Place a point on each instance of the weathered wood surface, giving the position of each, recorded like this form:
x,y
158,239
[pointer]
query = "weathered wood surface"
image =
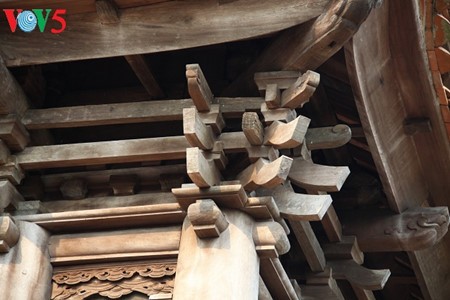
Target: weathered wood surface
x,y
307,46
109,246
171,25
198,88
278,282
328,137
203,172
8,195
270,235
207,219
9,234
289,135
107,11
12,98
26,269
207,268
196,132
132,112
348,248
13,133
300,92
253,128
145,75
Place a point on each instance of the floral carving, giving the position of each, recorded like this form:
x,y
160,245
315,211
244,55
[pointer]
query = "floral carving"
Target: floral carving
x,y
114,282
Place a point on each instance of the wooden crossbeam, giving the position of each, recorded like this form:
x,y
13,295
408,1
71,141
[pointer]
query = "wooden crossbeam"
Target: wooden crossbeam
x,y
253,128
179,25
13,133
145,75
134,112
9,195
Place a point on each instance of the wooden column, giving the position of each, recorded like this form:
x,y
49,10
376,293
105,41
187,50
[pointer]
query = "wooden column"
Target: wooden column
x,y
226,267
26,269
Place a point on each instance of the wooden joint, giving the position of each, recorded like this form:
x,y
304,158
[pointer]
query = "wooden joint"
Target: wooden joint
x,y
266,174
285,136
300,92
217,155
14,133
198,88
253,128
417,125
277,114
74,189
348,248
213,118
9,234
123,185
273,96
328,137
207,219
203,172
170,181
12,171
107,11
9,196
196,132
270,239
257,152
283,79
265,208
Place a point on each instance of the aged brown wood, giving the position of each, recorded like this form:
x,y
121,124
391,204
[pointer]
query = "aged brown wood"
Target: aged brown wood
x,y
9,195
207,219
283,79
307,46
4,153
328,137
270,239
273,96
181,25
145,75
198,88
12,98
13,133
9,234
348,248
197,133
253,128
300,92
284,136
107,11
203,172
123,185
74,189
278,282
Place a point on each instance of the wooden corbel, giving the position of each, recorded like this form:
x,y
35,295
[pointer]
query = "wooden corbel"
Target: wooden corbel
x,y
198,88
203,172
322,285
217,155
196,132
9,234
13,133
264,173
273,96
9,195
270,239
300,92
315,177
283,79
285,136
328,137
207,219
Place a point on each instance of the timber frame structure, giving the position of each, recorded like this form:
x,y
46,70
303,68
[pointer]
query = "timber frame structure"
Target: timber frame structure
x,y
217,149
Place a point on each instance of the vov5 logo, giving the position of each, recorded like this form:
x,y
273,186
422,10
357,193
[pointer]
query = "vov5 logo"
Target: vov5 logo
x,y
27,20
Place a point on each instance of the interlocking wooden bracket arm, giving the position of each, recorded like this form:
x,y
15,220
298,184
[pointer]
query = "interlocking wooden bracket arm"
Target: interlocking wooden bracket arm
x,y
285,136
300,92
253,128
264,208
315,177
328,137
346,249
203,172
9,234
264,173
207,219
196,132
382,230
270,239
360,276
13,133
277,114
9,195
198,88
295,206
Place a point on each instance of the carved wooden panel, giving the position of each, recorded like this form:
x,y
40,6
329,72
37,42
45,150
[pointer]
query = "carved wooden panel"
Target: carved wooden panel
x,y
114,281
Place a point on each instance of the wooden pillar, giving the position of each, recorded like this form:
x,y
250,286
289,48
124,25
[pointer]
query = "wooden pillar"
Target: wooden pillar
x,y
26,269
226,267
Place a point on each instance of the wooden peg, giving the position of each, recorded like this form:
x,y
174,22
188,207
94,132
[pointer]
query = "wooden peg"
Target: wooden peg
x,y
300,92
253,128
311,176
265,173
196,132
204,173
270,239
207,219
107,11
123,185
273,98
328,137
198,88
285,136
9,234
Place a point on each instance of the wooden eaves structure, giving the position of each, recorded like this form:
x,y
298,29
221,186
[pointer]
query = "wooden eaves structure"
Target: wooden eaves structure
x,y
226,150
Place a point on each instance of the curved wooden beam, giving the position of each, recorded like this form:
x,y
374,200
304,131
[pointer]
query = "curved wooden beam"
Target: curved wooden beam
x,y
196,132
270,236
315,177
170,25
203,172
307,46
285,136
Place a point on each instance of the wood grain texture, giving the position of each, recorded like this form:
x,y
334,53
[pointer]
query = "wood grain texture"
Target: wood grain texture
x,y
278,282
253,128
107,11
170,25
286,135
300,92
203,172
328,137
197,133
198,88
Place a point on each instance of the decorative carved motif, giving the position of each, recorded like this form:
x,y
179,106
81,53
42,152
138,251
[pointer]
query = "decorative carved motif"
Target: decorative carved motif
x,y
114,282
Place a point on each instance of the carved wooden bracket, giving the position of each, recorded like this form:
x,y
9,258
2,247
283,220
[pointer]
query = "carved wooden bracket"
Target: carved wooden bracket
x,y
265,173
277,114
253,128
203,172
346,249
11,170
300,92
264,208
207,219
328,137
196,132
270,239
9,234
285,136
322,285
198,87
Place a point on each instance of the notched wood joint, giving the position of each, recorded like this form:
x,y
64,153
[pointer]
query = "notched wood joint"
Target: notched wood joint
x,y
207,219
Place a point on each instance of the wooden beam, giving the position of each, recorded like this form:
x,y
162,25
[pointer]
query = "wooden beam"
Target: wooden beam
x,y
134,112
171,25
12,98
9,195
278,283
145,75
107,11
207,219
307,46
